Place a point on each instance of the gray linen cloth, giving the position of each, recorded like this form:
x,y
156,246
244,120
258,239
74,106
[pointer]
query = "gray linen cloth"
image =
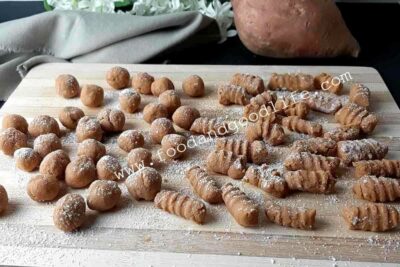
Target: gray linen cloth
x,y
87,37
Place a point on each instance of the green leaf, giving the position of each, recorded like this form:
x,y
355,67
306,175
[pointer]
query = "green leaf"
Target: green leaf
x,y
123,3
46,6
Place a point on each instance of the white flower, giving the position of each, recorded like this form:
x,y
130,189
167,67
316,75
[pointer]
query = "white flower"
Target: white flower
x,y
221,12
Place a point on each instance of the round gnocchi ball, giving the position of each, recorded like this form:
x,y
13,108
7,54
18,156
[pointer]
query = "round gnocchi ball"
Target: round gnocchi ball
x,y
154,111
43,188
193,86
103,195
170,100
161,85
15,121
69,117
92,95
160,128
142,83
80,172
111,120
129,100
54,164
139,158
67,86
3,199
43,124
118,77
130,139
88,128
11,140
46,143
184,117
27,159
174,145
144,184
92,149
108,168
69,213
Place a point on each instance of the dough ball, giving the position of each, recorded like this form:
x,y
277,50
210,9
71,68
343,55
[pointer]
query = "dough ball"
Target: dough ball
x,y
160,128
27,159
154,111
88,128
15,121
67,86
69,213
161,85
184,116
46,143
139,158
103,195
92,149
43,124
170,100
43,188
142,83
130,139
108,168
174,145
144,184
111,120
193,86
92,95
54,164
3,199
129,100
118,77
80,172
69,117
11,140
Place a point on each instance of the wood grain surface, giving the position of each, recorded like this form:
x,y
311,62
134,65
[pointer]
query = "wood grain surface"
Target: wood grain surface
x,y
138,227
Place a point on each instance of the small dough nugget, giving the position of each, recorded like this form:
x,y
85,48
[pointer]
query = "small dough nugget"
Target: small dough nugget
x,y
154,111
69,213
184,116
46,143
174,145
11,140
139,158
130,139
170,100
229,94
15,121
204,185
142,83
103,195
92,149
144,184
255,152
54,164
364,149
108,168
80,172
161,85
193,86
88,128
3,199
69,117
43,188
111,120
27,159
254,85
160,128
129,100
43,124
67,86
352,115
291,82
118,77
92,95
225,162
311,162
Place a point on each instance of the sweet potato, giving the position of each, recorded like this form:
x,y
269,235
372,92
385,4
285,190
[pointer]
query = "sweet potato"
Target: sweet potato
x,y
290,28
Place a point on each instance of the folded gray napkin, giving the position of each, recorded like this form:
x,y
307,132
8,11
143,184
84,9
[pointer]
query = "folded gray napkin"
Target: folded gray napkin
x,y
76,36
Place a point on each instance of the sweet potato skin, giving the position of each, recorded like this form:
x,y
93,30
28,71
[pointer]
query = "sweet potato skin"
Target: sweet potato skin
x,y
291,28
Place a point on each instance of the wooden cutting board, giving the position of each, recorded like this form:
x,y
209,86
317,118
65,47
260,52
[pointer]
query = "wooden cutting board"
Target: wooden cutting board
x,y
138,227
